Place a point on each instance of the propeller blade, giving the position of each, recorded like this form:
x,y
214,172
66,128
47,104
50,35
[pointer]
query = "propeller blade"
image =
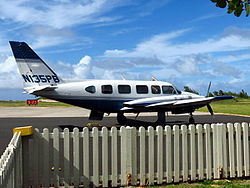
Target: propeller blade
x,y
210,109
208,89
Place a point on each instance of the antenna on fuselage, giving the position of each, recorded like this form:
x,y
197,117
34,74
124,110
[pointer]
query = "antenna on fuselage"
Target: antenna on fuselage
x,y
123,77
153,79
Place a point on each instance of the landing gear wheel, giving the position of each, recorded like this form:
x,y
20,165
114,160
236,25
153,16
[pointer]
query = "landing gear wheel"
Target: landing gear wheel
x,y
121,119
191,120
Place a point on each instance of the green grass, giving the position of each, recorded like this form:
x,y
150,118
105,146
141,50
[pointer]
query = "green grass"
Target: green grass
x,y
209,183
41,104
235,106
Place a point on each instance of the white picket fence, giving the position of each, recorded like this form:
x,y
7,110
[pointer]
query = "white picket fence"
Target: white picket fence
x,y
11,164
131,156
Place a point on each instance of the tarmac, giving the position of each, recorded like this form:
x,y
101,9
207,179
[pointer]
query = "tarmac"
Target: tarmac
x,y
6,112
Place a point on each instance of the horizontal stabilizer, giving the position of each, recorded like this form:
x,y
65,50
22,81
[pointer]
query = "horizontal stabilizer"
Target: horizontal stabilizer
x,y
31,90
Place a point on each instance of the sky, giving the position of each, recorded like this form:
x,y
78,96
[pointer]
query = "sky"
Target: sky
x,y
187,43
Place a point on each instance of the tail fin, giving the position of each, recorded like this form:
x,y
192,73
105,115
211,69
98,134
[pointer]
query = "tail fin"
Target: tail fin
x,y
34,71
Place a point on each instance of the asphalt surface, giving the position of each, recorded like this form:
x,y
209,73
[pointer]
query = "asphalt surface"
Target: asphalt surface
x,y
7,124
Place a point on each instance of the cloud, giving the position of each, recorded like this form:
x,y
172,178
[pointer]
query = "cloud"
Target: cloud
x,y
58,14
9,75
186,61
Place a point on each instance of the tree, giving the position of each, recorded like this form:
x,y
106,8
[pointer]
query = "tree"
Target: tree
x,y
234,6
188,89
243,94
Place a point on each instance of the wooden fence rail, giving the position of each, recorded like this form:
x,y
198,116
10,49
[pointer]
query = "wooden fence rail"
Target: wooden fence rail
x,y
129,156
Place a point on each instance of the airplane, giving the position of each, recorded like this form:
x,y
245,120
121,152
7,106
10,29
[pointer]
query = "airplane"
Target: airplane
x,y
106,96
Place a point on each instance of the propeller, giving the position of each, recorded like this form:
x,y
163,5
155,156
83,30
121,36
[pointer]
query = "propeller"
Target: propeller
x,y
208,89
208,105
210,109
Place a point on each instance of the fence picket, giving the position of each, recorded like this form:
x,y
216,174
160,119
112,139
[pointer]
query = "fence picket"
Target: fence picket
x,y
151,156
46,156
66,169
245,128
55,167
86,166
208,151
105,178
114,148
95,157
123,156
142,135
159,131
184,153
192,152
200,152
231,143
176,153
76,162
238,149
169,160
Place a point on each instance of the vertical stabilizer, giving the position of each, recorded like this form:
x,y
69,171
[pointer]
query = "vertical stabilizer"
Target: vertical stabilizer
x,y
34,71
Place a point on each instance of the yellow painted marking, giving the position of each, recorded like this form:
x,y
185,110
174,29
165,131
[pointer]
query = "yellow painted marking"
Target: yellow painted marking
x,y
93,124
25,131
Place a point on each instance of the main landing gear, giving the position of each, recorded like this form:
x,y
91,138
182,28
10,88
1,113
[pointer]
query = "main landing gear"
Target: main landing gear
x,y
161,120
191,119
121,119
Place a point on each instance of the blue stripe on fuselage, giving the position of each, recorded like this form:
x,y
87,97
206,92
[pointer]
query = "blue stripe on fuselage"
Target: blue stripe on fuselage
x,y
112,106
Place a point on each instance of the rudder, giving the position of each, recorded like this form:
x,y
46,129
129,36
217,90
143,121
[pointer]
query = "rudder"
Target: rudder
x,y
32,68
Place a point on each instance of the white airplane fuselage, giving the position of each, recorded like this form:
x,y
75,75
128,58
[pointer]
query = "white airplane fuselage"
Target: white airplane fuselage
x,y
75,93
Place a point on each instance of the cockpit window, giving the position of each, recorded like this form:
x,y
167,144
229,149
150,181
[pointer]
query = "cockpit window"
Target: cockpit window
x,y
155,89
90,89
107,89
168,90
124,89
142,89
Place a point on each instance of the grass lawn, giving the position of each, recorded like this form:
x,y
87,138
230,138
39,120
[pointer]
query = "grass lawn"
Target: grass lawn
x,y
234,106
41,104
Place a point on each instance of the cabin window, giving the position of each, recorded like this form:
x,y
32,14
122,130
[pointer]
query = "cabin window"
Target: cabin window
x,y
124,89
90,89
168,90
142,89
155,89
107,89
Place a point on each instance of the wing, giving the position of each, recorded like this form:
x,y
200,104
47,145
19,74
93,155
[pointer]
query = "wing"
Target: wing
x,y
165,103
